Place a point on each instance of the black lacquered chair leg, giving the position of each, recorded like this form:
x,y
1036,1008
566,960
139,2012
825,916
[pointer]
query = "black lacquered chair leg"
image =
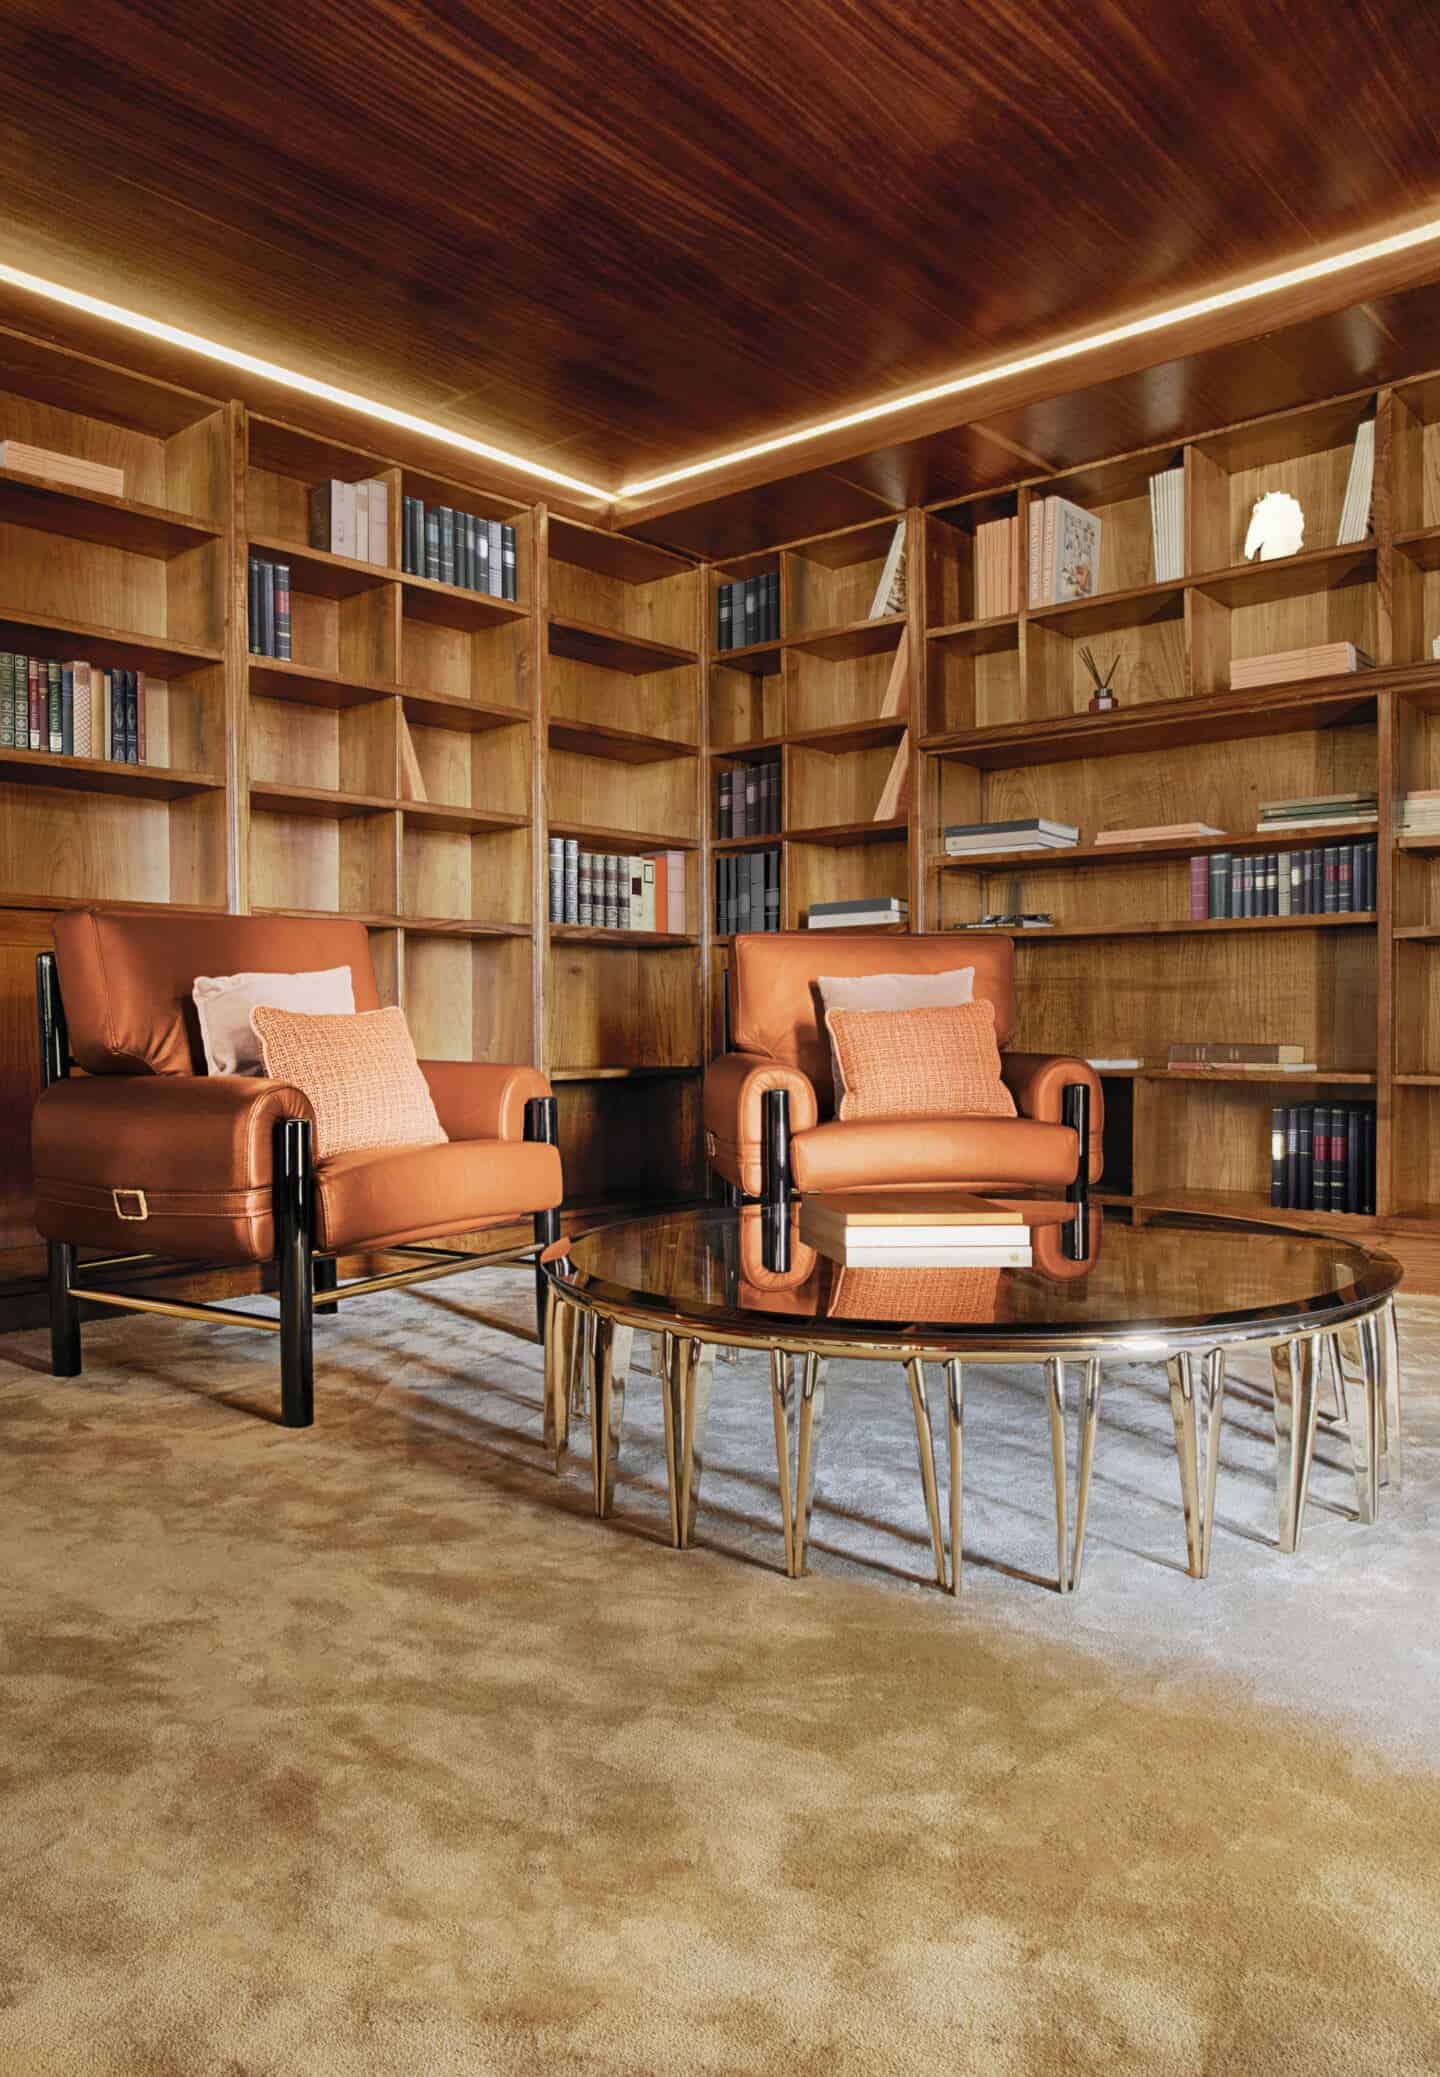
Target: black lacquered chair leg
x,y
326,1277
542,1123
294,1218
775,1146
64,1312
1076,1112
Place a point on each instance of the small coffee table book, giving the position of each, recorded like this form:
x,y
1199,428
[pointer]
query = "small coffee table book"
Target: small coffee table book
x,y
934,1229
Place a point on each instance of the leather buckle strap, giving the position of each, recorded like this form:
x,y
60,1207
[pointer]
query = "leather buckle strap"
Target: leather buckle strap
x,y
135,1199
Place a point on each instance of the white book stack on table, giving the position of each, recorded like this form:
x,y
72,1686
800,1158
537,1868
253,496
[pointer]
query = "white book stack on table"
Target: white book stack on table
x,y
940,1229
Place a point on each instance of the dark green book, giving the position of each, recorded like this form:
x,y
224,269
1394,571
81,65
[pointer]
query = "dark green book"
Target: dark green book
x,y
7,701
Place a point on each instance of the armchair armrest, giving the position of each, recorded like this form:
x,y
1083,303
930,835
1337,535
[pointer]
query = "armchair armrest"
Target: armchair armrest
x,y
475,1100
735,1087
177,1165
1038,1082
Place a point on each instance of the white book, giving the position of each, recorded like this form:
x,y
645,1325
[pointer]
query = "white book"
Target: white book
x,y
379,497
1120,1060
864,919
1355,514
1034,840
934,1258
899,1240
647,896
880,604
358,495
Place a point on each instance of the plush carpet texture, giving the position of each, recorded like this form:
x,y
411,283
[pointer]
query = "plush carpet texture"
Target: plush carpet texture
x,y
367,1750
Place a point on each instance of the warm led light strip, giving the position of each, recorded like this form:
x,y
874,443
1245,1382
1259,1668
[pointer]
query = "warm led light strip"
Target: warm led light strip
x,y
1051,356
307,385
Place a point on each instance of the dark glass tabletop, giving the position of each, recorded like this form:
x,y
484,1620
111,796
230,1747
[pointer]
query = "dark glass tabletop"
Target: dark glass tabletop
x,y
1175,1279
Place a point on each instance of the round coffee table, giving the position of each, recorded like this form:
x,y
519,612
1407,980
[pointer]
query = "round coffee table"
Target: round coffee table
x,y
1176,1288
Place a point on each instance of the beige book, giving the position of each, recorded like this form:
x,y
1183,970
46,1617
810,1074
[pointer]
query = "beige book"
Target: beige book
x,y
899,1208
412,779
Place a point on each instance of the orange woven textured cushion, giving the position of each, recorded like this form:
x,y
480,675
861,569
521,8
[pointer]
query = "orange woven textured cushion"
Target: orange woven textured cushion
x,y
359,1072
935,1063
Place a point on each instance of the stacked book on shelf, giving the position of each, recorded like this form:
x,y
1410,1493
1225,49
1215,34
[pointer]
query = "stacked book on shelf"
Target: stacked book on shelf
x,y
997,568
1064,552
1237,1057
870,912
74,469
1157,833
607,890
1323,880
1279,666
269,608
71,709
459,548
940,1229
748,611
1027,833
1322,1157
1317,811
352,519
748,800
1355,512
1418,814
747,892
1167,525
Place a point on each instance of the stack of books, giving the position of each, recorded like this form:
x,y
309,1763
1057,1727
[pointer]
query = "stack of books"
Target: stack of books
x,y
1322,1157
1355,513
868,913
748,800
1156,833
605,890
1028,833
1317,811
748,611
997,568
352,519
71,709
891,587
1325,880
73,469
747,892
1418,814
1167,524
1064,552
269,608
459,548
1320,660
940,1229
1012,919
1237,1056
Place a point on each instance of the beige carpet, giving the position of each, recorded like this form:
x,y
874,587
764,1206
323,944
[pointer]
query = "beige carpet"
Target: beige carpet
x,y
367,1751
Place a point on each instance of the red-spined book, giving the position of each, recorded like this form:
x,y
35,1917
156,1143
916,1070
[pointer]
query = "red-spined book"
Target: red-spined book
x,y
1199,890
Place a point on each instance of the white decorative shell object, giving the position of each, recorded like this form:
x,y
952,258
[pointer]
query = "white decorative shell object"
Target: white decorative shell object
x,y
1277,527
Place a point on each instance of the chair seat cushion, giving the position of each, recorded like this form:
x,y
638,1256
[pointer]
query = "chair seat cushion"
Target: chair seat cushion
x,y
863,1154
375,1194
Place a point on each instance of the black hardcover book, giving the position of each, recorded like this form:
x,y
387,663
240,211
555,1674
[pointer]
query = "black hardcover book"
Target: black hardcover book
x,y
1247,886
415,536
772,605
282,611
756,865
447,544
722,617
1345,879
132,717
1353,1187
512,562
772,890
1331,867
1272,884
464,548
67,710
1320,1159
1372,861
1367,1160
1292,1156
1305,1165
732,896
53,698
1337,1156
432,541
722,813
1214,900
1277,1156
752,800
267,609
752,610
254,608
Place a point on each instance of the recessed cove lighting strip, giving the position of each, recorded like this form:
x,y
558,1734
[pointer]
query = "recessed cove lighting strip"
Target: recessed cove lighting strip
x,y
1052,356
305,385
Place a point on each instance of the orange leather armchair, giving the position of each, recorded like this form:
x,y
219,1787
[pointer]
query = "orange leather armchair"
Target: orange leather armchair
x,y
147,1157
770,1126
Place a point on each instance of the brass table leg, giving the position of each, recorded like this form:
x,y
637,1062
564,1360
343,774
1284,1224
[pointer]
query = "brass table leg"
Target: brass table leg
x,y
1089,1423
782,1394
955,1435
812,1408
610,1361
1197,1423
1295,1367
564,1352
672,1408
1069,1557
693,1365
1365,1442
925,1443
1389,1393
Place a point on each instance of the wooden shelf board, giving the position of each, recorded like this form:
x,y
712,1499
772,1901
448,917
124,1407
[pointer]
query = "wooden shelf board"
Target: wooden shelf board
x,y
1288,576
850,639
113,648
19,899
1430,842
1137,606
635,655
272,798
1250,1205
1352,919
275,678
756,659
318,572
981,637
768,841
370,920
586,547
1418,933
81,515
627,840
1417,1081
447,710
1161,847
620,1074
586,934
458,927
448,815
842,835
451,605
103,775
622,745
852,735
1422,546
1266,1076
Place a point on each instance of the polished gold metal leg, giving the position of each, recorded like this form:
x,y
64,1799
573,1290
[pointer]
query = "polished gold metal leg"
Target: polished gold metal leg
x,y
1338,1412
610,1361
580,1369
925,1443
1187,1452
955,1430
1213,1378
782,1394
1089,1426
564,1343
697,1370
1055,1384
1389,1343
1295,1368
1365,1443
812,1409
672,1407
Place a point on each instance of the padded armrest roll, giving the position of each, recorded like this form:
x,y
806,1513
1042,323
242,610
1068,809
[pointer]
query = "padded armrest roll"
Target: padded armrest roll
x,y
1038,1082
475,1100
735,1086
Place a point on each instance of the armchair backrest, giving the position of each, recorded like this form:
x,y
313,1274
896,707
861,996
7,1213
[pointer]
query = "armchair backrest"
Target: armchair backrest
x,y
776,1008
126,978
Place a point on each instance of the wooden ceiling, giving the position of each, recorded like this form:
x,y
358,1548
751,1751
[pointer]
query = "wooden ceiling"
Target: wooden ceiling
x,y
618,237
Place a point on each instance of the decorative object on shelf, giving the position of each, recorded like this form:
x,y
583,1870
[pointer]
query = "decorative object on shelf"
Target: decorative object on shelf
x,y
1355,513
1012,919
892,592
1104,697
1277,527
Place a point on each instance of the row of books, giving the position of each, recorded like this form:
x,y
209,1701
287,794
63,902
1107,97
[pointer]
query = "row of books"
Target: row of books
x,y
747,892
1236,1056
1325,880
1317,811
1167,525
608,890
747,801
269,608
459,548
872,912
74,709
1279,666
1322,1157
352,519
748,611
1064,552
997,568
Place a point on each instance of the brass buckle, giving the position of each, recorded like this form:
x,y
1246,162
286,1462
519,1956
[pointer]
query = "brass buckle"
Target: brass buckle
x,y
135,1197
